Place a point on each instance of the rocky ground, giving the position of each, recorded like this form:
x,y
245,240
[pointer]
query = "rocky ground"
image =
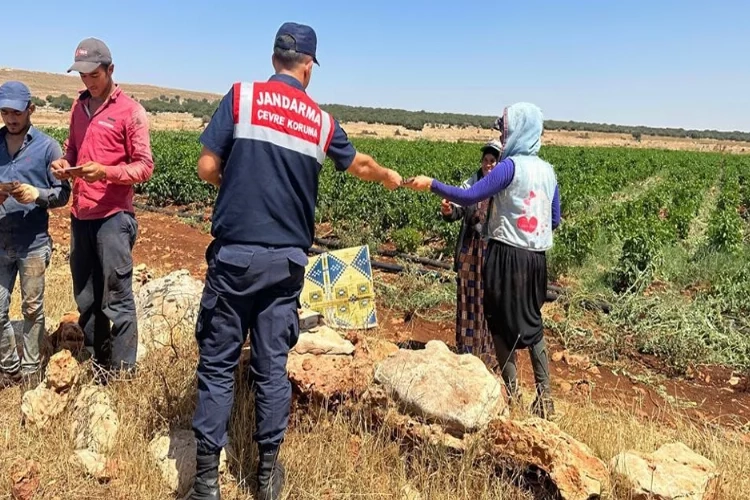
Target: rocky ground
x,y
616,435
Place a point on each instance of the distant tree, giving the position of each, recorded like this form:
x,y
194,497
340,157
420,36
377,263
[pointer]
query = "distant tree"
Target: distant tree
x,y
637,136
61,102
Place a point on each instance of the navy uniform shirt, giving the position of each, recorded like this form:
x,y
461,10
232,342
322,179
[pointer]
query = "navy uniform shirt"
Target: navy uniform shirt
x,y
268,192
24,227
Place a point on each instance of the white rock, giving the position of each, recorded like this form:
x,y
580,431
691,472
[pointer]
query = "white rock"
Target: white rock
x,y
456,391
167,310
40,405
323,340
174,454
673,472
95,422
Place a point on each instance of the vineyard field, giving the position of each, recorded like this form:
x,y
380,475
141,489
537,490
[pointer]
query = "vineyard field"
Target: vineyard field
x,y
660,235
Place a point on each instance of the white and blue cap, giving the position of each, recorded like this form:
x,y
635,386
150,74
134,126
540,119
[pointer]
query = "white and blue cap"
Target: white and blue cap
x,y
14,95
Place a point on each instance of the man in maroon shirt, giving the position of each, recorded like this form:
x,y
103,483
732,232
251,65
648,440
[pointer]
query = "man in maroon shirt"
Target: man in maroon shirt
x,y
108,150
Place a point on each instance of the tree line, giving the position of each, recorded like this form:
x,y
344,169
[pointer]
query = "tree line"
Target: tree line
x,y
412,120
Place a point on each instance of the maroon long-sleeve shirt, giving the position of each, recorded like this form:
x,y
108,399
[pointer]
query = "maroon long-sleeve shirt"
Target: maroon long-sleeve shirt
x,y
117,136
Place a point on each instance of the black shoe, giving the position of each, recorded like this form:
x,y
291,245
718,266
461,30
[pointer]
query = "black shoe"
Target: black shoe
x,y
543,407
10,379
271,475
206,485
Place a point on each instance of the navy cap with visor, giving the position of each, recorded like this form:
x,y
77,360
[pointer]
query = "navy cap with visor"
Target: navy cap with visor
x,y
298,38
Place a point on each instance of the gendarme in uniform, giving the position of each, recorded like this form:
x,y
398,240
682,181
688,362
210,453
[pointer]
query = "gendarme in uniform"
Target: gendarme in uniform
x,y
272,139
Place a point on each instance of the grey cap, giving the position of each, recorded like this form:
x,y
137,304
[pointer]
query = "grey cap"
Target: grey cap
x,y
90,54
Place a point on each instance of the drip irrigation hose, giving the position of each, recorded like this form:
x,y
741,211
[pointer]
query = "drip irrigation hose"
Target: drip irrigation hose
x,y
553,292
389,253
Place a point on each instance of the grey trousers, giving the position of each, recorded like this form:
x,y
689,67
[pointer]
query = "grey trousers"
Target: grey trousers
x,y
539,362
31,268
101,263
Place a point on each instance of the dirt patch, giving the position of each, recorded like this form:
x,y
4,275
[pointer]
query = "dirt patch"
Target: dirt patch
x,y
164,243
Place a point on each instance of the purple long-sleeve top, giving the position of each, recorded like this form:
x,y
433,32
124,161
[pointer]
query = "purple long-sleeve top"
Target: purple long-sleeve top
x,y
498,179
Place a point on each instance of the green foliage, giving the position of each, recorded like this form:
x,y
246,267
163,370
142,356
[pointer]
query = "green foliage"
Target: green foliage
x,y
61,102
574,241
175,179
195,107
725,230
406,239
640,254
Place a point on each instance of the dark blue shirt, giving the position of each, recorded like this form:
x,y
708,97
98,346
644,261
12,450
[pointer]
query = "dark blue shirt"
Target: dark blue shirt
x,y
498,179
24,227
268,192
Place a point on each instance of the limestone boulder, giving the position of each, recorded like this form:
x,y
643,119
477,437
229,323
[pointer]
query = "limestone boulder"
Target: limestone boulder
x,y
95,421
62,371
337,376
672,472
94,464
323,340
167,309
571,465
174,455
455,391
39,406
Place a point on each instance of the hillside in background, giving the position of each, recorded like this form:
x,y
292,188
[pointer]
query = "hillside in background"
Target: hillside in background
x,y
56,91
417,120
55,84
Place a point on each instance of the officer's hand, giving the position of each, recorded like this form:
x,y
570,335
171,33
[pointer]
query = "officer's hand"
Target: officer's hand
x,y
25,193
3,196
392,180
92,171
445,207
58,169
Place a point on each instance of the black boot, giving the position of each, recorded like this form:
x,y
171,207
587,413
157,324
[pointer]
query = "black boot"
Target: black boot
x,y
543,407
206,485
270,475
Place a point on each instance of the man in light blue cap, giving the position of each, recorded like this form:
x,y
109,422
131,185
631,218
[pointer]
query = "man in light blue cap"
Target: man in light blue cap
x,y
28,189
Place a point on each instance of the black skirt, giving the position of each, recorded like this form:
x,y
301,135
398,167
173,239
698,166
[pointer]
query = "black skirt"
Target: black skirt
x,y
515,287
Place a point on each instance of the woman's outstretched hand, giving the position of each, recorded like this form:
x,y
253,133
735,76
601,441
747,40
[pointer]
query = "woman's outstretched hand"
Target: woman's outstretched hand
x,y
419,183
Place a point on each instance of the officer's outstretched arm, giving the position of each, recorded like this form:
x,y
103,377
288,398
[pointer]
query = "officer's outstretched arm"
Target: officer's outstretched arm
x,y
209,167
366,168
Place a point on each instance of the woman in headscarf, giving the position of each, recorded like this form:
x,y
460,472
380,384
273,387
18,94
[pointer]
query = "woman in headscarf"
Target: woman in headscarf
x,y
524,210
472,334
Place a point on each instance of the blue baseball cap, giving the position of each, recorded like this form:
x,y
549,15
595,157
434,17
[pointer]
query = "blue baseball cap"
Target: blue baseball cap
x,y
14,95
303,39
